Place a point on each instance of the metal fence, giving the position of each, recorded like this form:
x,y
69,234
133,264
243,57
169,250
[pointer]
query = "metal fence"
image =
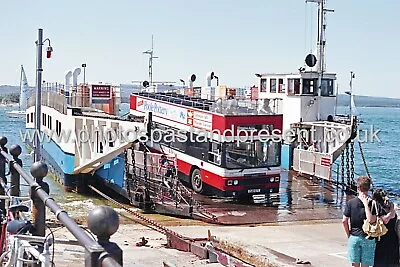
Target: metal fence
x,y
102,221
51,99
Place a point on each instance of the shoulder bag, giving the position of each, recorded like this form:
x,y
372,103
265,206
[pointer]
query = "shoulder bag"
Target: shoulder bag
x,y
376,229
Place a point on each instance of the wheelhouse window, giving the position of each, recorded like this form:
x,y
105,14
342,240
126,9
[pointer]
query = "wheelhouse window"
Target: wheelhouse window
x,y
252,154
281,86
293,86
310,87
27,118
263,85
32,117
327,87
272,83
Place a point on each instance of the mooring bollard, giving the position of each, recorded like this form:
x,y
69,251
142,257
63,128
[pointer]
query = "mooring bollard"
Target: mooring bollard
x,y
15,151
3,142
103,221
39,171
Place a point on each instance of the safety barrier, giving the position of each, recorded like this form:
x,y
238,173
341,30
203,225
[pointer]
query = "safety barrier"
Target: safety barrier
x,y
313,163
102,221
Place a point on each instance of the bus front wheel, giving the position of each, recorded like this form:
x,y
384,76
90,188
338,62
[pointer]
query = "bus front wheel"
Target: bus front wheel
x,y
196,181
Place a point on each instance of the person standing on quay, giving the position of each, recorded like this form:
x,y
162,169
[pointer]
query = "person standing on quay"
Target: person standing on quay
x,y
387,247
361,250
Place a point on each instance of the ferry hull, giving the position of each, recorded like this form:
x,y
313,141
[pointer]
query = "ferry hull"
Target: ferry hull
x,y
54,163
286,156
60,166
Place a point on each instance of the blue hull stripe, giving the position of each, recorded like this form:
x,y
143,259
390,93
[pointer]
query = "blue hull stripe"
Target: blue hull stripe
x,y
63,165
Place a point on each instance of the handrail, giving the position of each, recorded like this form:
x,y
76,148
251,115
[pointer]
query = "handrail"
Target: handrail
x,y
96,254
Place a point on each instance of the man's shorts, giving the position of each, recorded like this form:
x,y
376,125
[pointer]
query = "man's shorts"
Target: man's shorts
x,y
361,250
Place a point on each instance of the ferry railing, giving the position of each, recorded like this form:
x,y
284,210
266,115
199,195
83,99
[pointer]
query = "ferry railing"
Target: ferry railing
x,y
102,221
51,99
217,105
55,97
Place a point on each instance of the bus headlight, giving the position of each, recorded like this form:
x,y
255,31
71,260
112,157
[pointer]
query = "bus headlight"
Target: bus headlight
x,y
277,179
235,182
272,179
229,182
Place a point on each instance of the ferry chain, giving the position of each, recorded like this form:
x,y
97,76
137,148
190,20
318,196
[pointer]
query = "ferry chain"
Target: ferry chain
x,y
154,225
352,162
347,165
342,165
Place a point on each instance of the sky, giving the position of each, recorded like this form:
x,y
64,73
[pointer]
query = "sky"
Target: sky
x,y
233,38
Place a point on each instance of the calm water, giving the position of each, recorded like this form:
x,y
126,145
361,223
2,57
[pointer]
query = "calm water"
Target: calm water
x,y
382,158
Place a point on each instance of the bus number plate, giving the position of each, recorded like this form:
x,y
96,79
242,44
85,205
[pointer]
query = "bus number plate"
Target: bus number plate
x,y
253,191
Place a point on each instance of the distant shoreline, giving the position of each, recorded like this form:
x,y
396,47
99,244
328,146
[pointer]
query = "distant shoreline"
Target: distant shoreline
x,y
342,99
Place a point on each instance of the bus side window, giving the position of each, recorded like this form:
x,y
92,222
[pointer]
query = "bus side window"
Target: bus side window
x,y
214,153
197,147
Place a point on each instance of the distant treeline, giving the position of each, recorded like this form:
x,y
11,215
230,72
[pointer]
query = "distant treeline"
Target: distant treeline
x,y
368,101
11,97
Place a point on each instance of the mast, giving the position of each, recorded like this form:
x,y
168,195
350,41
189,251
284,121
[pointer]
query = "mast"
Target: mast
x,y
150,53
352,76
20,89
321,47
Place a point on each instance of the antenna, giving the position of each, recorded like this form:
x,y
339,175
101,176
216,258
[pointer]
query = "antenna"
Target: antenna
x,y
150,53
337,95
321,45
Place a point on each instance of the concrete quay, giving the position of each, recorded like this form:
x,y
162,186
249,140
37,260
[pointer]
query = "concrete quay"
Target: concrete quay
x,y
305,226
322,243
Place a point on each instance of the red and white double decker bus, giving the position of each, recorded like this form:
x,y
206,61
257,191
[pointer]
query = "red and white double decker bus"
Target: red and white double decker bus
x,y
213,153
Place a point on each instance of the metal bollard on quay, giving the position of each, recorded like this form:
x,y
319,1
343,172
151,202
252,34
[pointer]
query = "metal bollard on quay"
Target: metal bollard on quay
x,y
3,142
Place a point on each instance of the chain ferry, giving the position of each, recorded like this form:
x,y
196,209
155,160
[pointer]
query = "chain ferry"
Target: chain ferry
x,y
218,140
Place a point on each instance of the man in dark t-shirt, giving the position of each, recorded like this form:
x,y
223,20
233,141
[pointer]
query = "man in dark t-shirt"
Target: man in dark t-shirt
x,y
361,250
356,211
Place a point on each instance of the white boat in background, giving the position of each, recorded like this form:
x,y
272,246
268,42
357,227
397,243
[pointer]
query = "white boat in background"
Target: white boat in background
x,y
24,87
